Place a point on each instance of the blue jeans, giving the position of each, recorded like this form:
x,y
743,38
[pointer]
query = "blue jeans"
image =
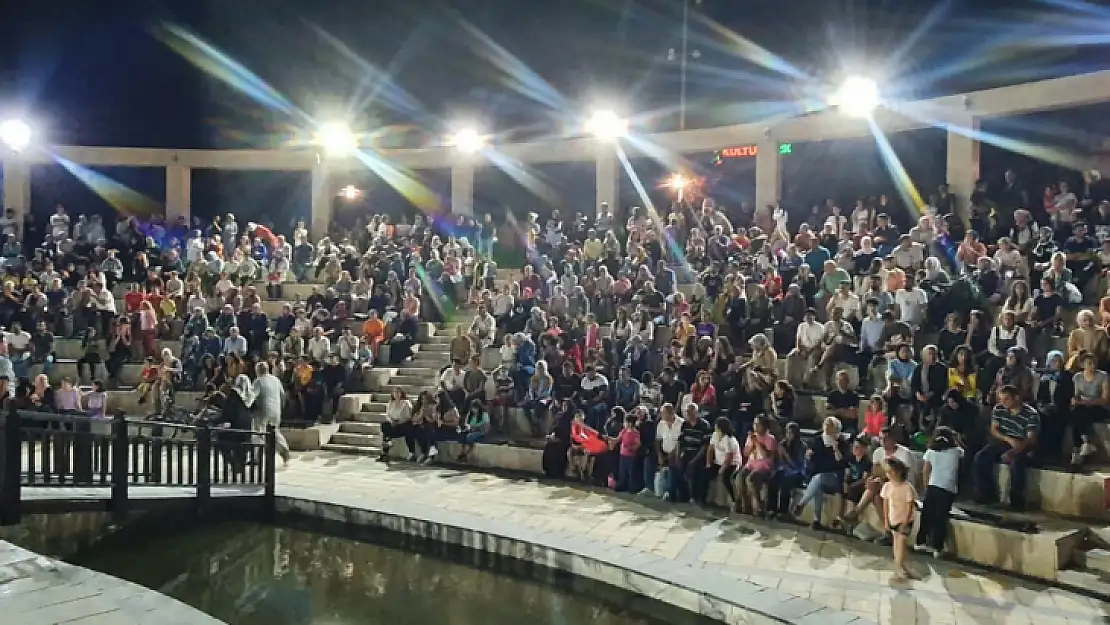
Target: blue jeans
x,y
820,485
986,487
626,474
650,464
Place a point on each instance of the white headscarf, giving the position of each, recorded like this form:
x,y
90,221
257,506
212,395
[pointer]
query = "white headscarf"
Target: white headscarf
x,y
243,387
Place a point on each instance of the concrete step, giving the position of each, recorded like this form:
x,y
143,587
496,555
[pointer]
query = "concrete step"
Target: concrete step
x,y
415,369
1094,559
374,406
358,440
434,348
440,339
367,417
356,427
402,380
70,349
356,450
1087,579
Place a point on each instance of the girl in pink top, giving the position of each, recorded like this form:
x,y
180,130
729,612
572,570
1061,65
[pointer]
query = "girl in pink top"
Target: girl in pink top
x,y
874,418
900,499
759,465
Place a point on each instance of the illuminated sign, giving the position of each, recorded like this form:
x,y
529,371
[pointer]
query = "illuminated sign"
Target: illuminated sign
x,y
748,151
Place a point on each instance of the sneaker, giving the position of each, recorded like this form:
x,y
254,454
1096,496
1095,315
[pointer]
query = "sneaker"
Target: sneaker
x,y
666,496
922,548
432,453
411,458
1086,449
647,492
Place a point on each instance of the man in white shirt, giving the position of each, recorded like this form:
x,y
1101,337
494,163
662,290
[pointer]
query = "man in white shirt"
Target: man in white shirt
x,y
59,224
234,343
845,300
104,302
808,347
667,433
451,384
319,346
483,328
911,302
909,256
269,398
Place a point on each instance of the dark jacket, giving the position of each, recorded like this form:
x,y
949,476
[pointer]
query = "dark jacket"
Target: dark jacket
x,y
824,460
938,382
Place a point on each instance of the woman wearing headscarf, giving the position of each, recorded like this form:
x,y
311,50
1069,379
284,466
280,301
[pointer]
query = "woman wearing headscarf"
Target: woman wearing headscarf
x,y
1054,394
1016,372
236,415
759,371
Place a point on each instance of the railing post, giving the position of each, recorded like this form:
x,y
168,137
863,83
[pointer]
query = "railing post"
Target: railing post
x,y
120,452
10,479
204,464
271,470
82,451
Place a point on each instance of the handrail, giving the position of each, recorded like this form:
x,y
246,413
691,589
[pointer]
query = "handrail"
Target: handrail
x,y
46,449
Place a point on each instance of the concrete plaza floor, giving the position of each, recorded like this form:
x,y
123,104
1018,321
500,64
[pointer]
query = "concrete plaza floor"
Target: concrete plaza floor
x,y
831,570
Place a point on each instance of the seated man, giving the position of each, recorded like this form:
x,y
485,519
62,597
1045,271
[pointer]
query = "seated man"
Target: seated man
x,y
808,348
1013,432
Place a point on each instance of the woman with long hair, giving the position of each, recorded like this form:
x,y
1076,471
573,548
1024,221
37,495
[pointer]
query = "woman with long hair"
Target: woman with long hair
x,y
1019,302
963,373
723,458
537,401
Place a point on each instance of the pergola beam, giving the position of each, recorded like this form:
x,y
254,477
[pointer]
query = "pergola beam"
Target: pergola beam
x,y
826,125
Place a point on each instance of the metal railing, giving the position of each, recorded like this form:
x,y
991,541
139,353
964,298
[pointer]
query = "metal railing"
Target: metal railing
x,y
43,450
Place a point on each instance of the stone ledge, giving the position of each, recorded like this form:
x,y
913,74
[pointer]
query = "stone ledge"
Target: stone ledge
x,y
310,438
40,590
686,586
1040,555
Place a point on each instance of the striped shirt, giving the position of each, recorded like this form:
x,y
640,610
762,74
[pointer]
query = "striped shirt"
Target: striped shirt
x,y
1020,425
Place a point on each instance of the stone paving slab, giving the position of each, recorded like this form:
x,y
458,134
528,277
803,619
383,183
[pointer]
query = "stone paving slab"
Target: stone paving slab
x,y
36,590
780,570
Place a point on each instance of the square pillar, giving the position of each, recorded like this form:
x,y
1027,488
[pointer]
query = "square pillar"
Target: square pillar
x,y
963,165
768,173
608,179
462,188
17,187
179,193
323,197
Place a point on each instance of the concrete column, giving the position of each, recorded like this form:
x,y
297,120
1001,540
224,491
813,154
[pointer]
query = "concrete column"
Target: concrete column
x,y
462,187
963,166
179,193
323,197
17,187
768,173
608,179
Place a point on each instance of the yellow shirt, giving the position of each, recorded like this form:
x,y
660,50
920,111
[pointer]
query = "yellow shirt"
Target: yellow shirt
x,y
968,385
168,307
592,249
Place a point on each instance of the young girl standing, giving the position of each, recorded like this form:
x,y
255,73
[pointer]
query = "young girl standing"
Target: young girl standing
x,y
899,496
942,477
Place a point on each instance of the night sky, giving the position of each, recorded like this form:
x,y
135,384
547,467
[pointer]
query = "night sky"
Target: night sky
x,y
98,73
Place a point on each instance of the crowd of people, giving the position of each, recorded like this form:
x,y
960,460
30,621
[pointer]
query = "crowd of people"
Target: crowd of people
x,y
120,291
932,332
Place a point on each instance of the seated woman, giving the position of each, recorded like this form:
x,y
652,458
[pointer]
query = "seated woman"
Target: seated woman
x,y
1054,401
586,445
400,344
473,428
827,460
1089,406
963,374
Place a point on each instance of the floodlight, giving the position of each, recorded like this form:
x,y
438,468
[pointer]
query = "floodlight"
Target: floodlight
x,y
336,138
350,192
606,124
468,140
15,134
857,97
678,181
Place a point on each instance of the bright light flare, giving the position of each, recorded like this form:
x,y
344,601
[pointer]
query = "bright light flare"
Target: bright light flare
x,y
350,193
337,139
468,140
678,181
857,96
15,134
607,124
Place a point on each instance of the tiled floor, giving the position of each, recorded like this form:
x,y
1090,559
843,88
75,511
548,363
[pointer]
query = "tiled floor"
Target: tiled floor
x,y
842,574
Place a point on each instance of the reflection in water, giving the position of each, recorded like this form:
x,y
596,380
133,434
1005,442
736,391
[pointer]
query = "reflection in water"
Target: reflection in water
x,y
247,574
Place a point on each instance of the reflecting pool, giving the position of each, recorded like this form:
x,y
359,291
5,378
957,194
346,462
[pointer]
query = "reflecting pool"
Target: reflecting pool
x,y
251,574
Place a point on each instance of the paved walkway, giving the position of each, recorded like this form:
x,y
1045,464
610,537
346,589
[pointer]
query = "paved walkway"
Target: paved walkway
x,y
831,570
36,590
